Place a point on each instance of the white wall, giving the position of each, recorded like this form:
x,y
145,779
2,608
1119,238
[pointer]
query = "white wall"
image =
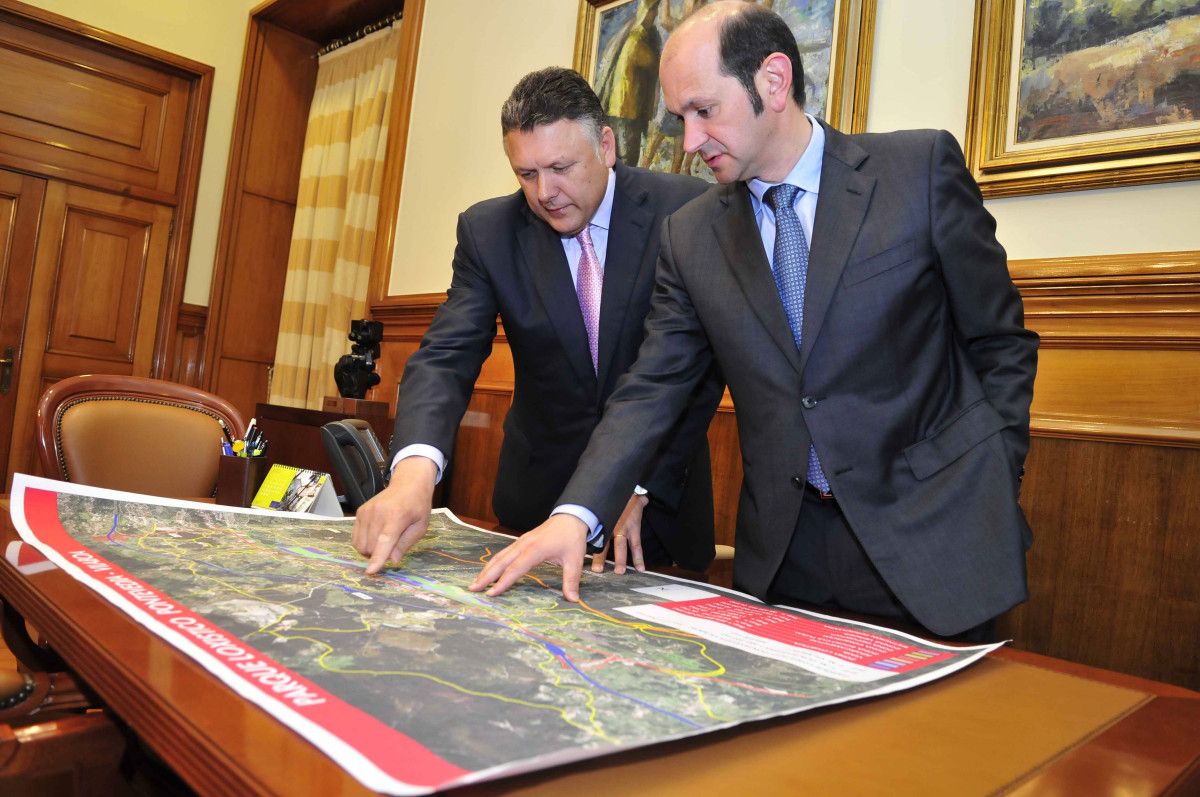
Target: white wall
x,y
920,77
472,52
212,32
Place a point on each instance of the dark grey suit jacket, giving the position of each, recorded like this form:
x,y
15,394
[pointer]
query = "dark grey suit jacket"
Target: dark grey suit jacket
x,y
511,263
914,380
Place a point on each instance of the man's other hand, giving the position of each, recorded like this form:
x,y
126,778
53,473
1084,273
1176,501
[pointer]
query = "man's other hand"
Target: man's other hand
x,y
626,538
390,523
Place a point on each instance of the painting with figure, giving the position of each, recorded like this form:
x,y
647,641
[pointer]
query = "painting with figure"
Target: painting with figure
x,y
1102,66
629,37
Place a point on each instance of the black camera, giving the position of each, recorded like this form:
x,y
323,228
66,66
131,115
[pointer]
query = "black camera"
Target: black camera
x,y
355,372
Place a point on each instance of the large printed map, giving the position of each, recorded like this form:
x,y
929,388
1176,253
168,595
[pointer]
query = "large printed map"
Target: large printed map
x,y
414,683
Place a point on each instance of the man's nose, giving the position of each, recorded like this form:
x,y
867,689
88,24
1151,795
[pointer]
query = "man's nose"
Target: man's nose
x,y
546,188
693,136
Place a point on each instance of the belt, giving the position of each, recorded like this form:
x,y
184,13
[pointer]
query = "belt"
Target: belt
x,y
818,493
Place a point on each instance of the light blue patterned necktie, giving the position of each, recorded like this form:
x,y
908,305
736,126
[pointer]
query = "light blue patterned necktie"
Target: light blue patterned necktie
x,y
791,275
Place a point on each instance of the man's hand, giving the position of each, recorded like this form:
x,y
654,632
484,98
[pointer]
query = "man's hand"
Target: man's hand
x,y
390,523
562,539
627,532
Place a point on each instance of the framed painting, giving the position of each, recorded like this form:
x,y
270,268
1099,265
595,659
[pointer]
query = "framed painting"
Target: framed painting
x,y
618,44
1083,94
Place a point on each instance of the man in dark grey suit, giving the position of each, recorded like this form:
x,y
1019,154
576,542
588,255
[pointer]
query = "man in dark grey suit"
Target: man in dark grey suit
x,y
568,264
882,377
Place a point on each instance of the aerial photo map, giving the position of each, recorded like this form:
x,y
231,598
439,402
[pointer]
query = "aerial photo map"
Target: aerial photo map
x,y
277,606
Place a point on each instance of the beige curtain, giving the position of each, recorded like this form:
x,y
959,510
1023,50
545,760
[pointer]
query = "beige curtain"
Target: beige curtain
x,y
333,236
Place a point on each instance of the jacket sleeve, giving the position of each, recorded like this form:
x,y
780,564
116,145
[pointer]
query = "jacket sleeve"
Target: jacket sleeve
x,y
650,399
986,306
439,377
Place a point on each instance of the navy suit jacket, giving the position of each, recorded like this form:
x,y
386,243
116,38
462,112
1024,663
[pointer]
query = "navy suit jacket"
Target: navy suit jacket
x,y
510,263
914,378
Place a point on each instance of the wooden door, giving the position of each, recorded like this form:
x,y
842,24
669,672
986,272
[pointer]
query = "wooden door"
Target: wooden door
x,y
20,208
97,287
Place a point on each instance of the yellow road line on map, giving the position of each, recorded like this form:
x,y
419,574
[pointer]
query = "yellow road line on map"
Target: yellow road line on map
x,y
594,728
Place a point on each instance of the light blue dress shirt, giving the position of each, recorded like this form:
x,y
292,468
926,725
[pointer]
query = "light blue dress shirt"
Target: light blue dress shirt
x,y
807,175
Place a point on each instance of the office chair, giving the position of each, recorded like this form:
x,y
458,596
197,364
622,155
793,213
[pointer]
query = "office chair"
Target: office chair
x,y
136,434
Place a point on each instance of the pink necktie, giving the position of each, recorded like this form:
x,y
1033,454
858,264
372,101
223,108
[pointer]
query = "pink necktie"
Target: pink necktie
x,y
588,285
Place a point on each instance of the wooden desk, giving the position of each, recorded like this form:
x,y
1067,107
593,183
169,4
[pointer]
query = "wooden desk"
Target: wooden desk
x,y
1015,724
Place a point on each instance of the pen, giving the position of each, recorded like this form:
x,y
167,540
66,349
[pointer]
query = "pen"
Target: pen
x,y
249,429
225,431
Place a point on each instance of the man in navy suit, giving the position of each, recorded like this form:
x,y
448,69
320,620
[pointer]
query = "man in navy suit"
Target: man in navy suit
x,y
872,340
568,264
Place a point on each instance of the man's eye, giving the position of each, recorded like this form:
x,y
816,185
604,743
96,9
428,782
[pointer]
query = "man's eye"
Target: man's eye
x,y
704,113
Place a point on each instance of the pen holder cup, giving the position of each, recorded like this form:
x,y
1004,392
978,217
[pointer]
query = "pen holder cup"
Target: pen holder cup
x,y
238,479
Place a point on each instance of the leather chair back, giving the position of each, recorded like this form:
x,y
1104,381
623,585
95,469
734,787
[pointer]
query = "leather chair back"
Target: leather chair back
x,y
131,433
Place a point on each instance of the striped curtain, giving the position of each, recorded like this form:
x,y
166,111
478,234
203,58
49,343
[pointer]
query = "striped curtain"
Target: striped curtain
x,y
333,236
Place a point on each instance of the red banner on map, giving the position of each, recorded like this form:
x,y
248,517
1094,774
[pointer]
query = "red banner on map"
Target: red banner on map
x,y
847,644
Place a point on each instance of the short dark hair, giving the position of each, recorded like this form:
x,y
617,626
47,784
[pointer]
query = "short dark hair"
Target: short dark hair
x,y
548,96
747,38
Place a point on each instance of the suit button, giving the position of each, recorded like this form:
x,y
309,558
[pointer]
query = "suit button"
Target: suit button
x,y
798,482
808,402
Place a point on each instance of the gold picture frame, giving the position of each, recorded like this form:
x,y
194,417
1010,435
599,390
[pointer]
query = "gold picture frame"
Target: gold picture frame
x,y
837,33
1044,118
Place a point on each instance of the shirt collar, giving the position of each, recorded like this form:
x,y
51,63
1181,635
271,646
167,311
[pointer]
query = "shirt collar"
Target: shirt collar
x,y
806,173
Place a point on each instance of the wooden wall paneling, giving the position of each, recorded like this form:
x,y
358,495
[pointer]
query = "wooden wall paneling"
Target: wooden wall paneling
x,y
473,466
111,256
117,128
87,106
241,381
96,297
1110,482
21,199
278,79
254,296
1113,568
189,344
1120,356
724,449
77,109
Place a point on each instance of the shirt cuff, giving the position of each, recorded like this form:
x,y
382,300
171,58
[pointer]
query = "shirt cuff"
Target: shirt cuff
x,y
422,450
595,530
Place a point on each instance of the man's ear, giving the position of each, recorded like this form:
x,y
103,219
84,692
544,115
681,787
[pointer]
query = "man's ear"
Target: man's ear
x,y
608,146
774,81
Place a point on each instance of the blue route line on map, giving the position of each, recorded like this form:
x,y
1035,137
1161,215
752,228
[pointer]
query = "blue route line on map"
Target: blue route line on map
x,y
562,654
113,530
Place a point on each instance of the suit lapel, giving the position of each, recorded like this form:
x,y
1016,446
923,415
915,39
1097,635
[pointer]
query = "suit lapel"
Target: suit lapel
x,y
547,265
741,243
628,234
841,207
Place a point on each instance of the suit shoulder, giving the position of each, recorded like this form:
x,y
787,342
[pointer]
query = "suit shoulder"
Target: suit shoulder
x,y
905,140
676,188
499,208
704,204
